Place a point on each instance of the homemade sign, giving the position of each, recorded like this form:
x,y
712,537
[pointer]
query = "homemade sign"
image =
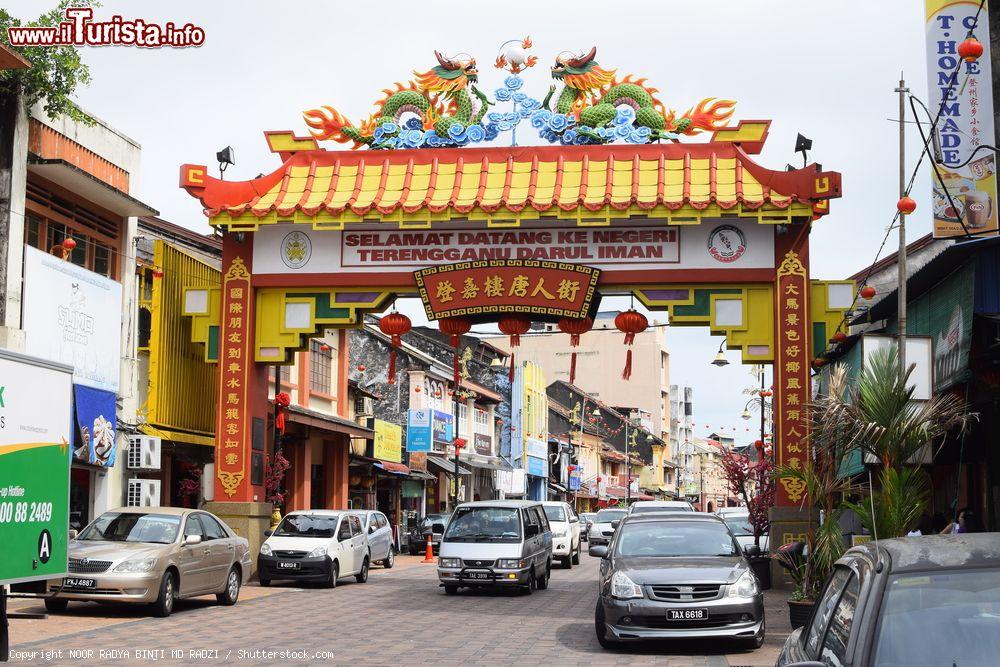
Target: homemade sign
x,y
546,289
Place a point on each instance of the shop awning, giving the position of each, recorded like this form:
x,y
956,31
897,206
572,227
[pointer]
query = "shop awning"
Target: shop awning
x,y
323,421
78,181
421,475
394,468
447,466
488,465
172,435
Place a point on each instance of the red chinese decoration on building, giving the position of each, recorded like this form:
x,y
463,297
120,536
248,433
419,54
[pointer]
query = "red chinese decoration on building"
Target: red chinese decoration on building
x,y
525,287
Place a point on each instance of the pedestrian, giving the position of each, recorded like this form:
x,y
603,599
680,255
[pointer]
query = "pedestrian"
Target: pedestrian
x,y
967,522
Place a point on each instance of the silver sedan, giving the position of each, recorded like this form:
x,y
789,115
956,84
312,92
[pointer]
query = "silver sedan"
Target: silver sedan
x,y
154,556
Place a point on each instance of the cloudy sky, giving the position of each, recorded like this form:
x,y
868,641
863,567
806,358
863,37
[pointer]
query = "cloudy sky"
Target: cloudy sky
x,y
826,70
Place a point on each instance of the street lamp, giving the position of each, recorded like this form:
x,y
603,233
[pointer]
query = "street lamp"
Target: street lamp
x,y
746,413
720,357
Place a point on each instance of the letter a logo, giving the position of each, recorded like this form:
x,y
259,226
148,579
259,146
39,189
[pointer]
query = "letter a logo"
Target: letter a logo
x,y
44,546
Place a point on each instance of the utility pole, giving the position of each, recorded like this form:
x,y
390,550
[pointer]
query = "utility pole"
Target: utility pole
x,y
902,90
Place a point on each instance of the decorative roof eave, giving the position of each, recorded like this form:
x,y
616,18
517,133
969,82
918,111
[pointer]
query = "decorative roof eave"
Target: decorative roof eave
x,y
508,184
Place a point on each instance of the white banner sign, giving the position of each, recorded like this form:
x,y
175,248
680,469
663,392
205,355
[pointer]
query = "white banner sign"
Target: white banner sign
x,y
965,100
73,316
631,245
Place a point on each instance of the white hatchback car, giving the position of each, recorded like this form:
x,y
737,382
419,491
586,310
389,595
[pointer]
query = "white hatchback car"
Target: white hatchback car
x,y
380,541
315,545
566,538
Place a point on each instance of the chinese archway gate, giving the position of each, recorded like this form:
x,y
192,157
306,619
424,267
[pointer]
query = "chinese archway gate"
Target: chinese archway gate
x,y
697,230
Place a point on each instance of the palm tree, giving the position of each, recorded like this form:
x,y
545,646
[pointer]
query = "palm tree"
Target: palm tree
x,y
897,429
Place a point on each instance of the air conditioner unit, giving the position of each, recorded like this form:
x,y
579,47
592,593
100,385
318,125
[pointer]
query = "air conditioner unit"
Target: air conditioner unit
x,y
143,452
364,406
143,493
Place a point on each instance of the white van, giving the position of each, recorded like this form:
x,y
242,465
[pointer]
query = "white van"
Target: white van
x,y
496,543
315,545
565,526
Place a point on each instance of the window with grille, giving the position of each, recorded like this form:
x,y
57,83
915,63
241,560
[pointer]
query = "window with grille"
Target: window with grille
x,y
482,422
463,419
320,365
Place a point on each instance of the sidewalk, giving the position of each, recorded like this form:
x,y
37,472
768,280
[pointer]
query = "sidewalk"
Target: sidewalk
x,y
778,629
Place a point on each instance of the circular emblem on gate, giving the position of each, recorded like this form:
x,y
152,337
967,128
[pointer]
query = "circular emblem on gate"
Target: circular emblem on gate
x,y
44,546
727,243
296,249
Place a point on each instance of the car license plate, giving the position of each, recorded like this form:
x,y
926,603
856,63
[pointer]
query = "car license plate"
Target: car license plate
x,y
285,565
478,575
73,582
687,614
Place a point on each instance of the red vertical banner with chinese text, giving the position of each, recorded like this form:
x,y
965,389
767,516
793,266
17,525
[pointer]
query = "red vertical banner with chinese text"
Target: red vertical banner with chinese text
x,y
232,450
792,376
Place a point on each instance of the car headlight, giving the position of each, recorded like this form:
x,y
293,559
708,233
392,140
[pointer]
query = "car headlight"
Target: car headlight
x,y
559,533
745,586
136,565
624,588
450,562
265,549
317,552
511,564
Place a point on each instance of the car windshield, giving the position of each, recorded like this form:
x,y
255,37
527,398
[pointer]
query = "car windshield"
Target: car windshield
x,y
740,525
607,516
555,513
432,519
639,509
945,617
132,527
484,524
307,525
675,538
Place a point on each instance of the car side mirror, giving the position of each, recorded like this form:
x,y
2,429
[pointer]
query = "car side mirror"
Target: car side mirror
x,y
614,524
752,551
268,533
72,534
191,540
371,529
598,551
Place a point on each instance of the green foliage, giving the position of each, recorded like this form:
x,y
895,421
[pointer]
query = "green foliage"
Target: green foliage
x,y
55,72
895,508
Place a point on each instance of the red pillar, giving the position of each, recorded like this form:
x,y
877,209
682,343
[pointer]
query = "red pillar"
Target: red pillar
x,y
793,358
242,382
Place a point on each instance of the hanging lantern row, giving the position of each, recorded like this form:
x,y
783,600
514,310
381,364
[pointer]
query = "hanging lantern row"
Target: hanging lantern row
x,y
456,327
394,325
630,322
514,326
575,327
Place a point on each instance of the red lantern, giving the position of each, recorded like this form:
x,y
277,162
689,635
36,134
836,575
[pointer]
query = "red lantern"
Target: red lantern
x,y
514,326
157,273
324,347
456,327
839,337
361,368
906,205
459,443
867,292
970,50
394,325
417,389
630,322
599,479
281,401
69,243
575,327
819,362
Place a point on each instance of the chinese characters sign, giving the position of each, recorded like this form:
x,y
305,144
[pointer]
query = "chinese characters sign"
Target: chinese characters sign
x,y
234,357
524,287
791,371
965,99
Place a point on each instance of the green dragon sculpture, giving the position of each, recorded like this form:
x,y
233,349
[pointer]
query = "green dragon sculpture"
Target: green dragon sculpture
x,y
438,98
592,94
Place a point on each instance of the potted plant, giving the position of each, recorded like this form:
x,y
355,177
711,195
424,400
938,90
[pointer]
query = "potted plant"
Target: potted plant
x,y
753,481
791,557
274,479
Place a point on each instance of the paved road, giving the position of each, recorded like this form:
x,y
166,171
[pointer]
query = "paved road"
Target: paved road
x,y
399,617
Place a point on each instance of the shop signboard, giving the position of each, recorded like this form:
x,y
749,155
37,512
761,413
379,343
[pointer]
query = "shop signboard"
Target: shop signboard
x,y
966,193
35,424
536,448
574,481
418,431
442,428
388,442
483,444
75,318
537,467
